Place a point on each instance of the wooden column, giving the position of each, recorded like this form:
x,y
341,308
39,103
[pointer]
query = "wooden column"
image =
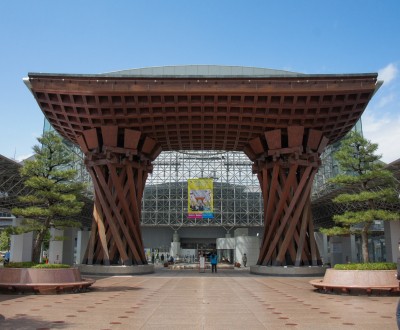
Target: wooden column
x,y
286,161
118,161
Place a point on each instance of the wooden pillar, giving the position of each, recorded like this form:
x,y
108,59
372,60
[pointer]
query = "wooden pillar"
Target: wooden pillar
x,y
286,161
118,161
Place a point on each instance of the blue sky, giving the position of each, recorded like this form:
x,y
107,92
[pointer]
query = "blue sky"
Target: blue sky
x,y
311,36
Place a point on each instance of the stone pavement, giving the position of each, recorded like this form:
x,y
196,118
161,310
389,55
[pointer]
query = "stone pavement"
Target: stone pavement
x,y
187,299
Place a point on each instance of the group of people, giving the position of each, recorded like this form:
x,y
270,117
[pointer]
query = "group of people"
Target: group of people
x,y
156,258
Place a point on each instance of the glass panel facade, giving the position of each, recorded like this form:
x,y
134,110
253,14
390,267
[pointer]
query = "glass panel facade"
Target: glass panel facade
x,y
329,167
237,193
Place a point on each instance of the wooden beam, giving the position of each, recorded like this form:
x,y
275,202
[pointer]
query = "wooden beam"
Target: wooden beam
x,y
82,144
110,135
127,214
131,139
307,182
256,146
274,139
314,138
295,136
108,204
91,139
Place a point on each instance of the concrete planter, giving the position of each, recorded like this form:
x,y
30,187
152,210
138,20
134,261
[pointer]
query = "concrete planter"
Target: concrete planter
x,y
46,280
357,280
116,270
289,271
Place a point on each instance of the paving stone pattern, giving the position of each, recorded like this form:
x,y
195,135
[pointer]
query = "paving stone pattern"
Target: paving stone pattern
x,y
187,299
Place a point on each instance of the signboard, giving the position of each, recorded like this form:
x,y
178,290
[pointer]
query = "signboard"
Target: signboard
x,y
200,199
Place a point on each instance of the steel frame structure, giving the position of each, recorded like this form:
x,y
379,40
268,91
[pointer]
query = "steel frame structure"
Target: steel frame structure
x,y
237,193
11,185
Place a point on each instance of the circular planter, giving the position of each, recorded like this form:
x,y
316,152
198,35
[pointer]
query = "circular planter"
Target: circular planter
x,y
288,271
103,270
43,280
347,281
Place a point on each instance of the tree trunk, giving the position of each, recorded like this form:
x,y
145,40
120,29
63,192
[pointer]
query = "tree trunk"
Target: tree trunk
x,y
37,246
364,244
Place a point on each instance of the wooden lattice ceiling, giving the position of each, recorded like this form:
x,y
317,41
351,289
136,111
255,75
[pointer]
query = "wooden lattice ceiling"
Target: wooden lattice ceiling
x,y
203,114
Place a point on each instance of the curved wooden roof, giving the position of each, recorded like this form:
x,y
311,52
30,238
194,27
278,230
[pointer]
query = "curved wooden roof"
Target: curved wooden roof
x,y
203,112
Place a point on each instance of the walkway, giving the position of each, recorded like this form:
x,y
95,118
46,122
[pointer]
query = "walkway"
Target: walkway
x,y
230,299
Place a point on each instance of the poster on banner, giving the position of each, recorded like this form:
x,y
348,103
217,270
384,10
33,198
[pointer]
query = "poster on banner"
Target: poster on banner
x,y
200,199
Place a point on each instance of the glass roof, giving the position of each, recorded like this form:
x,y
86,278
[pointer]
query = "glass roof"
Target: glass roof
x,y
203,71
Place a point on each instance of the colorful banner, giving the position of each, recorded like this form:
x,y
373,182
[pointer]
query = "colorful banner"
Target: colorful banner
x,y
200,200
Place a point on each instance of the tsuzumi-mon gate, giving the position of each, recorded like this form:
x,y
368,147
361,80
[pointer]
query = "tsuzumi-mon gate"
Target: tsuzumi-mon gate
x,y
281,120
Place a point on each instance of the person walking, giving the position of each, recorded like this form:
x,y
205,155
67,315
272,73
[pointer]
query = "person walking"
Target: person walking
x,y
244,259
214,262
6,258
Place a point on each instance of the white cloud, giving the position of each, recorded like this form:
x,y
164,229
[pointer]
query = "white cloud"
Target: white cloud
x,y
386,99
383,130
388,73
20,158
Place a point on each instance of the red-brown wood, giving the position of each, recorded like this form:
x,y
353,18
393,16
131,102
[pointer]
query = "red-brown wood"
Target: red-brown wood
x,y
91,138
110,135
282,124
118,179
216,113
286,176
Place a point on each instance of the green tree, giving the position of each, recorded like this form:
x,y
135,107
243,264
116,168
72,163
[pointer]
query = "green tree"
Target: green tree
x,y
4,240
371,189
54,199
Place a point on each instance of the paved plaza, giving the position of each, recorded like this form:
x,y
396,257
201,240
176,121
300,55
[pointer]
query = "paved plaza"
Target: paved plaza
x,y
230,299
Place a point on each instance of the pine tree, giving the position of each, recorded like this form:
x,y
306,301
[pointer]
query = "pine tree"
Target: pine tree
x,y
371,188
4,240
54,197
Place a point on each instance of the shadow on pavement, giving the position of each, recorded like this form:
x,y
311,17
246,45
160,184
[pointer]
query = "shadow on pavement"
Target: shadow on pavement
x,y
22,323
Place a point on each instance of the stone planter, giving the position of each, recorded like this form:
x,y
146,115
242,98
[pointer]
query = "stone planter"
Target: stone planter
x,y
288,271
45,280
115,270
347,281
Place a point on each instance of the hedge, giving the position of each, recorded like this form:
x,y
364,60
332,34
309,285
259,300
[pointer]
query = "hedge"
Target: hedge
x,y
367,266
34,265
51,266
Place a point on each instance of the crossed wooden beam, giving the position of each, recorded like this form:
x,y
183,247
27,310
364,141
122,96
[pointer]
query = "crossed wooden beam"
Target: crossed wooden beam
x,y
286,161
119,161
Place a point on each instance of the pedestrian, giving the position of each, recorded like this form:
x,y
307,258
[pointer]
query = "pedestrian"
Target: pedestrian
x,y
152,258
244,259
214,262
6,258
162,257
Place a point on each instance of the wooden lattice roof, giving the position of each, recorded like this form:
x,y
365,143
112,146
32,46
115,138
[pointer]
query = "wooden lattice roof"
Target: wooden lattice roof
x,y
203,112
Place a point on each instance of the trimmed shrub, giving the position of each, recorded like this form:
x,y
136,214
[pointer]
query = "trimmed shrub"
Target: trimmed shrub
x,y
52,266
20,264
367,266
34,265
